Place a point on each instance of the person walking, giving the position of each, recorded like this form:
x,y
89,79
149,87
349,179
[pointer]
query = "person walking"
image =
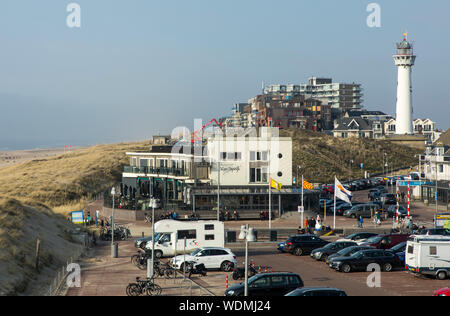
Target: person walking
x,y
360,222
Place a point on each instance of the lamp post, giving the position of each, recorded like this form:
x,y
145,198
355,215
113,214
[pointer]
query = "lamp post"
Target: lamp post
x,y
436,187
245,234
150,270
113,246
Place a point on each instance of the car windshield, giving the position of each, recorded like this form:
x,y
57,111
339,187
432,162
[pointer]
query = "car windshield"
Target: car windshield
x,y
346,251
357,254
373,240
399,246
351,236
253,279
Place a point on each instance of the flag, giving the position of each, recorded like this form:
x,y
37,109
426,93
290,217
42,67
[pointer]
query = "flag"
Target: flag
x,y
342,193
274,184
307,185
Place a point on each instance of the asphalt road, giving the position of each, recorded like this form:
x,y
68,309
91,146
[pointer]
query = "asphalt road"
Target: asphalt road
x,y
313,273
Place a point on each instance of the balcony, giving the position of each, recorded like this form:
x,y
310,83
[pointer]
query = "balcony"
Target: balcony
x,y
175,172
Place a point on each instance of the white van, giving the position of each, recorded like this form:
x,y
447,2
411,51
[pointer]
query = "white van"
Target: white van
x,y
428,255
171,235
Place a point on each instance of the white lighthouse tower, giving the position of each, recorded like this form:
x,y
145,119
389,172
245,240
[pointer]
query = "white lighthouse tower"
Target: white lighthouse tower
x,y
404,60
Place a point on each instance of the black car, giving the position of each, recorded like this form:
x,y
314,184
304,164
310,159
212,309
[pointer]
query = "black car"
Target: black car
x,y
360,260
268,284
317,291
388,199
342,208
347,252
323,253
392,211
303,244
401,247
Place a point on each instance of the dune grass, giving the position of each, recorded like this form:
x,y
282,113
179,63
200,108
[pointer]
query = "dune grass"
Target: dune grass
x,y
321,156
67,180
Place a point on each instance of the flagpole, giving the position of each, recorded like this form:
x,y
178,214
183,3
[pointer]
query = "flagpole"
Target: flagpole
x,y
334,219
303,207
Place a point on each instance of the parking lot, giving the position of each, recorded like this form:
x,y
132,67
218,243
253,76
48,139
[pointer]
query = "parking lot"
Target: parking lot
x,y
102,275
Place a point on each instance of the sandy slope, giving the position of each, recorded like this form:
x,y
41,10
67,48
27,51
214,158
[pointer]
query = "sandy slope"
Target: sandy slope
x,y
9,158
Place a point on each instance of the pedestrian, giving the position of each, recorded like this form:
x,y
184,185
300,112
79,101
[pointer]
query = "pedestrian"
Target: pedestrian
x,y
305,223
360,222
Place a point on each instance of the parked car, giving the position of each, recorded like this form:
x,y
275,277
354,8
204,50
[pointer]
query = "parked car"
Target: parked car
x,y
140,242
388,199
364,210
328,189
401,247
280,246
211,257
340,209
347,252
435,231
392,211
323,252
358,237
385,241
317,291
268,284
442,292
382,189
374,194
399,250
303,244
360,260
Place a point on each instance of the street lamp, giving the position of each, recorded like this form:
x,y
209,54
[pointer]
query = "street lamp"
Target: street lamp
x,y
113,246
150,267
298,168
249,236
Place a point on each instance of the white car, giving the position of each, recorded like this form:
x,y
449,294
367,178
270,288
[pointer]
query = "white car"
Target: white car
x,y
359,238
211,257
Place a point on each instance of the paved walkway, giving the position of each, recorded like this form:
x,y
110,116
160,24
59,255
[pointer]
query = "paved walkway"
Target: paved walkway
x,y
102,275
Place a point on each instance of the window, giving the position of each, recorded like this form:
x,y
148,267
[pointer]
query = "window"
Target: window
x,y
252,175
209,227
209,237
294,280
279,280
410,249
258,175
261,282
143,163
433,251
188,234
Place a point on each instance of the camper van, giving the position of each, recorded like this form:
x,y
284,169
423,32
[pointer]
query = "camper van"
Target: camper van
x,y
170,236
429,255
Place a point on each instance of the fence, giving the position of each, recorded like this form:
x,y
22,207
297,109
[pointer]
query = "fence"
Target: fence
x,y
58,285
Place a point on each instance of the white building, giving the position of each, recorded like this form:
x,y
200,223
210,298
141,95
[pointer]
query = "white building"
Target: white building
x,y
246,160
424,127
404,60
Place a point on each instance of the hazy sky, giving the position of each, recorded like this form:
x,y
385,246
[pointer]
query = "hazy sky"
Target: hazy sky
x,y
140,67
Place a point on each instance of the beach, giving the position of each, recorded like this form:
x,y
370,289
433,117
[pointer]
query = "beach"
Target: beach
x,y
9,158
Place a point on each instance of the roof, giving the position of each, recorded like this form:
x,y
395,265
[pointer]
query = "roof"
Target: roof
x,y
360,124
445,138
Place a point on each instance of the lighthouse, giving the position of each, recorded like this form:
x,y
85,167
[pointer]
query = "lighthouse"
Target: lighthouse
x,y
404,60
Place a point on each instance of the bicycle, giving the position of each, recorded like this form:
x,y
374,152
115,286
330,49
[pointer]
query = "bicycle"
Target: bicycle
x,y
143,287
